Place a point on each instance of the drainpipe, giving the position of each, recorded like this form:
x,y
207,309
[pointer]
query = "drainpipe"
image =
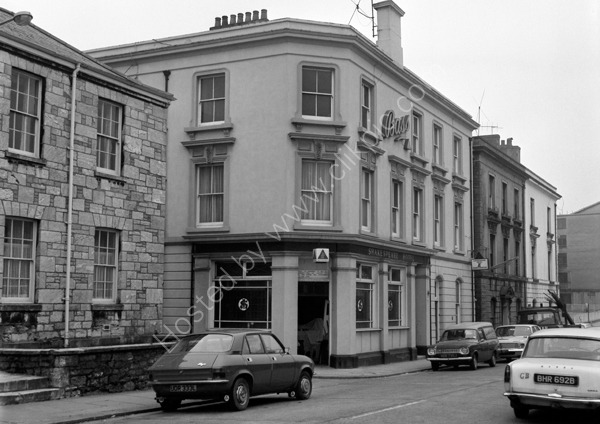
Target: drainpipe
x,y
70,205
473,241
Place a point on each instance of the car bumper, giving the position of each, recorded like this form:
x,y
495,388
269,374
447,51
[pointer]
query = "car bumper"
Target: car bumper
x,y
546,401
457,359
203,389
510,353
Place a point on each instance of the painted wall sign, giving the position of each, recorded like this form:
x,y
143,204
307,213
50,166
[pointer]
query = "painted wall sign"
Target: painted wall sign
x,y
394,127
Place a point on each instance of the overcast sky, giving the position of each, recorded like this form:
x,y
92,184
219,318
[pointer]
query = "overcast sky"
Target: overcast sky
x,y
526,69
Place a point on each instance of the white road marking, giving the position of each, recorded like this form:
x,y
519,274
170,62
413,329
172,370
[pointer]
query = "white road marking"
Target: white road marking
x,y
386,409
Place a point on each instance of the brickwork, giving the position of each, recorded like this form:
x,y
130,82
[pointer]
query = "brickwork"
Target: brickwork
x,y
131,203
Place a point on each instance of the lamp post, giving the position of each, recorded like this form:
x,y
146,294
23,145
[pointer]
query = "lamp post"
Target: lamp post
x,y
20,18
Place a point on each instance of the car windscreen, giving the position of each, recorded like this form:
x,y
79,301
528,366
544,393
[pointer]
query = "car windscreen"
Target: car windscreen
x,y
204,343
510,331
563,347
459,334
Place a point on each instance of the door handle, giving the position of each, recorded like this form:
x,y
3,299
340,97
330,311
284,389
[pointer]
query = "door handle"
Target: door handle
x,y
249,359
274,358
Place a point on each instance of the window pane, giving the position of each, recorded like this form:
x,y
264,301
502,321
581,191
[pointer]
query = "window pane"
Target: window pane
x,y
309,80
324,106
324,81
206,88
219,86
309,104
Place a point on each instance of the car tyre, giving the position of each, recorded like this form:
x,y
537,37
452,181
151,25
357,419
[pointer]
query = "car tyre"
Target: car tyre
x,y
521,411
435,366
304,386
492,361
170,405
240,394
473,363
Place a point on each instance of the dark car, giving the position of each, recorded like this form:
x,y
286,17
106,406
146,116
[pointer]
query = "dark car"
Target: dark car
x,y
231,365
465,344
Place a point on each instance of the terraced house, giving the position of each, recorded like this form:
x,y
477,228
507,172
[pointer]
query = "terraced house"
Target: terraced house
x,y
82,202
316,186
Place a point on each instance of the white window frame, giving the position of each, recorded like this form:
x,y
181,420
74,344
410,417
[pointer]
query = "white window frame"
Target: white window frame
x,y
458,299
438,220
457,155
317,94
21,109
212,196
398,207
109,131
366,285
366,109
491,191
15,253
309,196
417,131
397,280
367,200
417,214
438,142
458,226
106,256
211,98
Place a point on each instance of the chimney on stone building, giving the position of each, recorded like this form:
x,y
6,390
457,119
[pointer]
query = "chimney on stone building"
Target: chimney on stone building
x,y
389,37
511,150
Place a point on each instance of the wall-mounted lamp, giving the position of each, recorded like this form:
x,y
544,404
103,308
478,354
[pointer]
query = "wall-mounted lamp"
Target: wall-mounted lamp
x,y
20,18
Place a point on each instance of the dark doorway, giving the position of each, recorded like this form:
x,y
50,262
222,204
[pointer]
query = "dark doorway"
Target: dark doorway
x,y
313,320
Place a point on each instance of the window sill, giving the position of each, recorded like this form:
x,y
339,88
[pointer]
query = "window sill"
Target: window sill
x,y
194,231
20,307
399,327
459,252
419,243
301,122
17,158
113,178
225,127
107,306
366,330
326,228
398,239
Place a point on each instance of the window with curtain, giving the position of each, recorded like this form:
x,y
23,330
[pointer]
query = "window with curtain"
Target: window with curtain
x,y
211,107
108,142
317,192
25,113
210,195
317,92
105,264
19,260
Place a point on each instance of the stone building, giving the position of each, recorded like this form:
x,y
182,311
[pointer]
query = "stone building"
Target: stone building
x,y
316,186
82,197
505,195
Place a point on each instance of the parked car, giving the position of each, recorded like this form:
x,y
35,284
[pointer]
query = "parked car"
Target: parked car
x,y
559,368
231,365
580,325
512,339
465,344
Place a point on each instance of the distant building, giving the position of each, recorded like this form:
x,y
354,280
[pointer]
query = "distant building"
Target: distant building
x,y
82,198
579,258
513,229
316,186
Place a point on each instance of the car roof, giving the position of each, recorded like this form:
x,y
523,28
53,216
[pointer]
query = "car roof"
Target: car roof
x,y
469,325
231,331
518,325
591,332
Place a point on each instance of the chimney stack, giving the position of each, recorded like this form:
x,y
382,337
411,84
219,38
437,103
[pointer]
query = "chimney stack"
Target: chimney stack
x,y
253,17
389,37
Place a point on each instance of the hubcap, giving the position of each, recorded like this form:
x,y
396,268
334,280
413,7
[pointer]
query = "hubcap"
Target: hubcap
x,y
305,385
241,394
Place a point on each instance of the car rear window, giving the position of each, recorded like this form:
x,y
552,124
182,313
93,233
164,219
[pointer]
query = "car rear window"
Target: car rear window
x,y
204,343
563,347
459,334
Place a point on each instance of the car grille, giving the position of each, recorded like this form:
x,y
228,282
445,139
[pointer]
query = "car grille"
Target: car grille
x,y
509,345
447,350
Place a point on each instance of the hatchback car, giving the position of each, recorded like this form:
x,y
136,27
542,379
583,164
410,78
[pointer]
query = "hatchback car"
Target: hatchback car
x,y
559,368
465,344
512,339
231,365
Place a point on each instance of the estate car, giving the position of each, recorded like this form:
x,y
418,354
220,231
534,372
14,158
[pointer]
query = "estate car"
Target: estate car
x,y
231,365
465,344
559,368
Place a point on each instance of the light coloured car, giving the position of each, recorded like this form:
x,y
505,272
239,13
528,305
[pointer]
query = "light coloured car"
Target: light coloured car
x,y
512,339
559,368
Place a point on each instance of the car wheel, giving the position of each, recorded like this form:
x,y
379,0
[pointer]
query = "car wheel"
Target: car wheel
x,y
304,386
521,411
473,363
492,361
435,366
240,394
170,405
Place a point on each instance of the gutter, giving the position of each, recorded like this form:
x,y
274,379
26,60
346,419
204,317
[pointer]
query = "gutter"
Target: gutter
x,y
67,297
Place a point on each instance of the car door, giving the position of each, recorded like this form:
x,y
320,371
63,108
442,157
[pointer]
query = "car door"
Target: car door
x,y
284,365
258,363
485,347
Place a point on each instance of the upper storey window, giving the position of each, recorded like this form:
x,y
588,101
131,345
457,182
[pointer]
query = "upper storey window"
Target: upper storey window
x,y
108,143
211,108
417,130
366,114
317,93
25,113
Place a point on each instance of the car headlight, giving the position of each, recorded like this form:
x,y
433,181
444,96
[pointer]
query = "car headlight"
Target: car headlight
x,y
464,350
522,345
431,351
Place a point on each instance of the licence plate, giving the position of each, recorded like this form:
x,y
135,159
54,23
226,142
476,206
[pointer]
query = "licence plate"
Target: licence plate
x,y
563,380
448,355
183,388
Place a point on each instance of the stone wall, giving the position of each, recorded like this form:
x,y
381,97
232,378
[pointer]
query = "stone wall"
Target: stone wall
x,y
78,371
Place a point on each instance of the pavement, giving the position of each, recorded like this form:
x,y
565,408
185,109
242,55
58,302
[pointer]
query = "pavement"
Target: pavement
x,y
92,407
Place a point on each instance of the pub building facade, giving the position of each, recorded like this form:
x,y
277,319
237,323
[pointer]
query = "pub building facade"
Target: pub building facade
x,y
316,187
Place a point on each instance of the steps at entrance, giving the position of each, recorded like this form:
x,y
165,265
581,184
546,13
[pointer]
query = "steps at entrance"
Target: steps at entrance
x,y
18,388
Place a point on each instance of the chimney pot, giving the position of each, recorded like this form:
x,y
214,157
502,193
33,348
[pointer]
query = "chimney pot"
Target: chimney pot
x,y
217,22
224,21
263,15
254,15
509,141
240,18
232,20
248,17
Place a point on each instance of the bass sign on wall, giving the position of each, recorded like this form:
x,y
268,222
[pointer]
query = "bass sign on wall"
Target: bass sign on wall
x,y
392,126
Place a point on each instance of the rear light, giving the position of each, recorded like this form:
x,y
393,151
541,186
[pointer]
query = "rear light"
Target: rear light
x,y
507,374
